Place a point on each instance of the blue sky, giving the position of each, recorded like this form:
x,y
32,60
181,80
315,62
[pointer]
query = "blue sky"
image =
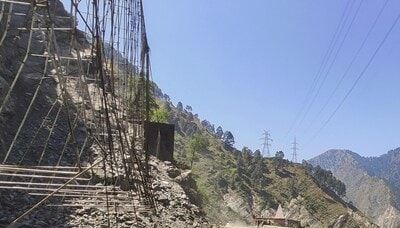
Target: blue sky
x,y
249,65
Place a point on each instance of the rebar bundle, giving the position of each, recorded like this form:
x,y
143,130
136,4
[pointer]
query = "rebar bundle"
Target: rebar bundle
x,y
99,72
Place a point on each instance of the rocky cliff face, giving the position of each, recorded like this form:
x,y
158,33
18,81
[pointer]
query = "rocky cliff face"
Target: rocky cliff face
x,y
371,182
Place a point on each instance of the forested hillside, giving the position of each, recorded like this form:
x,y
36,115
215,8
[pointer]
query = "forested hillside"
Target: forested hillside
x,y
233,185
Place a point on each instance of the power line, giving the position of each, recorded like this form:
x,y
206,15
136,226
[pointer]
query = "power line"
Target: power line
x,y
358,78
331,65
350,65
332,43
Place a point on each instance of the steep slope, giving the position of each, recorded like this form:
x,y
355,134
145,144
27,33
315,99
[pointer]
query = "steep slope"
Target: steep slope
x,y
367,181
174,208
13,50
386,166
234,185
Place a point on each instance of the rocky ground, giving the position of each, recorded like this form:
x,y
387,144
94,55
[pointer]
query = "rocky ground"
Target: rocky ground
x,y
174,208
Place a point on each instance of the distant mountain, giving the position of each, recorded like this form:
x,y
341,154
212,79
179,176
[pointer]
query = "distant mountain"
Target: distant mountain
x,y
372,183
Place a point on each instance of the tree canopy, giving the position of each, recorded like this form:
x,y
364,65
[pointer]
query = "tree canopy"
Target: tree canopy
x,y
228,138
160,115
188,108
179,106
219,132
326,179
197,144
280,154
208,126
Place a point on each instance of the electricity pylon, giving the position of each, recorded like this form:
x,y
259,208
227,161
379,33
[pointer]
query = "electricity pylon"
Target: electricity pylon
x,y
266,143
295,149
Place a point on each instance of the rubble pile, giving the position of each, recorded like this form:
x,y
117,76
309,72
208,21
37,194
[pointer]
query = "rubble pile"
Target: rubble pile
x,y
174,208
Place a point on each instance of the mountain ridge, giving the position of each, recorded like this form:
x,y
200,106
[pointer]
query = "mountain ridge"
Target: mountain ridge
x,y
369,184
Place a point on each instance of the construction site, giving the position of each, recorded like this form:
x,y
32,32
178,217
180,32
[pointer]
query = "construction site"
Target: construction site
x,y
74,103
89,139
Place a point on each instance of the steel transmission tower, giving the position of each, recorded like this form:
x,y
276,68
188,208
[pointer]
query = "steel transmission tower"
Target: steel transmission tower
x,y
295,149
266,143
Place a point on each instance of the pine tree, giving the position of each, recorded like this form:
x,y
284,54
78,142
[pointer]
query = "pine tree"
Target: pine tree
x,y
179,106
219,132
208,126
229,140
257,156
240,166
197,144
247,155
188,108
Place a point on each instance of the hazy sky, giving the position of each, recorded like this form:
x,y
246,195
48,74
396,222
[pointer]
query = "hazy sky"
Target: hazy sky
x,y
250,65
